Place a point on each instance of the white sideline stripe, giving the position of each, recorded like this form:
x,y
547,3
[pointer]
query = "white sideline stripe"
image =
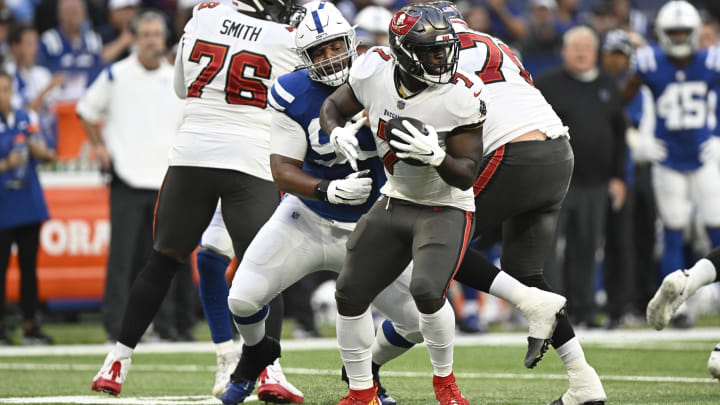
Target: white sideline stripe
x,y
87,399
640,338
184,368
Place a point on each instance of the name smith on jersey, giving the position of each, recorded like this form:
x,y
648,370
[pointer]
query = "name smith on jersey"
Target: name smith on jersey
x,y
236,30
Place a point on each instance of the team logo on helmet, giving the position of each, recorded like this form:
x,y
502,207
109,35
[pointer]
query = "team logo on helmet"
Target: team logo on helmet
x,y
402,23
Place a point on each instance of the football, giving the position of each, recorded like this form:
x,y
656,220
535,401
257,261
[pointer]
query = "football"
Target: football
x,y
397,123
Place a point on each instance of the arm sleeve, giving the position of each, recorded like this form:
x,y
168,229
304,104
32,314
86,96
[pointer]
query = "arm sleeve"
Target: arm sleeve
x,y
94,103
179,72
287,137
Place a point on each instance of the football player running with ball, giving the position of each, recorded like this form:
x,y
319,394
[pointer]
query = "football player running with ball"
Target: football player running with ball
x,y
426,210
309,230
229,56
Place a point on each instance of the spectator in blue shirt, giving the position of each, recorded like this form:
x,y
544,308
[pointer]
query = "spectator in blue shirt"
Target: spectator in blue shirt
x,y
73,49
507,21
22,207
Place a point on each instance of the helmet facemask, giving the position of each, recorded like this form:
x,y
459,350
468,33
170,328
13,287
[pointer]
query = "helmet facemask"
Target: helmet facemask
x,y
332,71
280,11
434,63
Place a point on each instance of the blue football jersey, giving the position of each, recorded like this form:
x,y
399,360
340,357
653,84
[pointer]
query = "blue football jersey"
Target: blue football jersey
x,y
684,110
300,98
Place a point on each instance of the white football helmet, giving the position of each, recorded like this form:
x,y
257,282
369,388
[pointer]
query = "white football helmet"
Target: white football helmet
x,y
678,15
323,23
374,19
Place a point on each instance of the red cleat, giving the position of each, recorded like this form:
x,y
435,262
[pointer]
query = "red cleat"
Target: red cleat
x,y
447,392
273,387
361,397
111,376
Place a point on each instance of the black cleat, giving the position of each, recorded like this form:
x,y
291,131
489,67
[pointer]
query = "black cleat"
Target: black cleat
x,y
536,350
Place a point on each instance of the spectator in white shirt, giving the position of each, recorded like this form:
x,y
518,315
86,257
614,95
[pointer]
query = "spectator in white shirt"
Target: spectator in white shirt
x,y
141,113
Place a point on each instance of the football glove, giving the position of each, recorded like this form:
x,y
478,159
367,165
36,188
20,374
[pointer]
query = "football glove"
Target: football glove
x,y
418,146
649,149
710,150
345,143
352,190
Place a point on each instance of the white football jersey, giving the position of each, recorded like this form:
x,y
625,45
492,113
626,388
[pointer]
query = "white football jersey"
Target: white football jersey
x,y
445,107
229,62
517,106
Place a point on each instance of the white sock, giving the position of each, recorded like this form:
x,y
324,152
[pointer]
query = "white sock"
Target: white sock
x,y
570,352
120,351
224,348
470,307
438,329
355,336
702,273
508,288
252,333
384,351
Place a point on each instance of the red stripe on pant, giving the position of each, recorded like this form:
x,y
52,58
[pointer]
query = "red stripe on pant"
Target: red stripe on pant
x,y
463,248
489,170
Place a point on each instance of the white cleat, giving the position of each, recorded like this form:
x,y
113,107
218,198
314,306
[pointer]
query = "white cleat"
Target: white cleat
x,y
542,309
112,375
714,363
585,387
673,291
225,366
273,387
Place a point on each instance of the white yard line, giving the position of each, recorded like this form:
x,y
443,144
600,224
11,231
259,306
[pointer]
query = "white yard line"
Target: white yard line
x,y
641,338
88,399
186,368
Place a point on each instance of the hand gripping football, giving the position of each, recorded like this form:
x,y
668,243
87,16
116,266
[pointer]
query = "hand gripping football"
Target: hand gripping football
x,y
396,123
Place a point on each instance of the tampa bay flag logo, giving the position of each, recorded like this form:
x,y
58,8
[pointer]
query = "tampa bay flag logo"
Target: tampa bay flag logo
x,y
402,23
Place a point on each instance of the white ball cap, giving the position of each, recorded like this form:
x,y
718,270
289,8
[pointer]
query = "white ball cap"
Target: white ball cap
x,y
116,4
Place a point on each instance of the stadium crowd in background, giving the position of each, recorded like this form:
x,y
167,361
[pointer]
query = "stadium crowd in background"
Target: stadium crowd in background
x,y
54,50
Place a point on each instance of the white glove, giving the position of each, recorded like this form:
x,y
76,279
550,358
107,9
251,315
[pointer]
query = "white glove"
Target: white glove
x,y
710,150
352,190
418,146
649,149
345,142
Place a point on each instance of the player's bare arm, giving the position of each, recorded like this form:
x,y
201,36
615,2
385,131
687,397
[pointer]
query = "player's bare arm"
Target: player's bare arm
x,y
462,160
339,108
290,178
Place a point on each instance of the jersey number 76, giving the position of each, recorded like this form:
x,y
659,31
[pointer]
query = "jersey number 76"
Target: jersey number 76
x,y
239,88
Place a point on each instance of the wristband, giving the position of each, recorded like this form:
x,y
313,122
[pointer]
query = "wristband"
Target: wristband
x,y
321,190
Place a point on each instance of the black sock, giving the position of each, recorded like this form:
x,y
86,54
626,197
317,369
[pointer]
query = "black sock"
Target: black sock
x,y
146,296
273,323
714,257
564,330
476,271
254,359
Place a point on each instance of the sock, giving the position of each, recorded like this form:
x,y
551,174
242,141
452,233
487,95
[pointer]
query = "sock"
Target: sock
x,y
355,339
252,328
224,348
470,306
120,351
714,258
273,323
476,271
714,235
146,296
254,359
564,330
388,344
438,329
508,288
702,273
673,253
570,352
213,294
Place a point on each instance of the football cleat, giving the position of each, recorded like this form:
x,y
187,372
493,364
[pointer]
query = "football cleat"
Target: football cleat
x,y
225,366
111,376
385,398
274,388
542,309
673,291
585,387
360,397
447,392
236,392
714,363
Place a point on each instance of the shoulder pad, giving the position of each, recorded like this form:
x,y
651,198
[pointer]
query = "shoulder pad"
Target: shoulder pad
x,y
644,60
